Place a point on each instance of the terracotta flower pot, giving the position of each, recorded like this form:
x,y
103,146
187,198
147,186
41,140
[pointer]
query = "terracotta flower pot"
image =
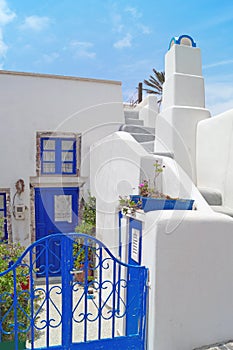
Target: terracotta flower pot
x,y
79,276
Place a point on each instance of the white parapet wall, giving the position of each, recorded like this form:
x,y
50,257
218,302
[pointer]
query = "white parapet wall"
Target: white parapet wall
x,y
189,255
115,170
215,155
118,164
148,110
188,252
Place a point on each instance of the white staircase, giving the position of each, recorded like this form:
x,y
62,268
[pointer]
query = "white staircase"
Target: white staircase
x,y
144,135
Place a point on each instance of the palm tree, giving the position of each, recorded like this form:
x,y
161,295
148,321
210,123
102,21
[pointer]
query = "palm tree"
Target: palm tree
x,y
155,83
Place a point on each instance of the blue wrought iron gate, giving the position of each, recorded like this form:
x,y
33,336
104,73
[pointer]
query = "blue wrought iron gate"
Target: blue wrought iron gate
x,y
88,307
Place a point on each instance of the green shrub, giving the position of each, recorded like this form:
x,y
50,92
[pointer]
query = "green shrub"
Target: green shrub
x,y
9,254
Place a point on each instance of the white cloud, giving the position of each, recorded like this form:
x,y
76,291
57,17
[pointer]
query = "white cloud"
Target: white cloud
x,y
118,25
6,15
36,23
82,49
219,96
124,42
3,46
217,64
133,12
50,58
144,29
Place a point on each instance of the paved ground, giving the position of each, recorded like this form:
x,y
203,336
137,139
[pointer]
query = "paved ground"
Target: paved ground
x,y
52,311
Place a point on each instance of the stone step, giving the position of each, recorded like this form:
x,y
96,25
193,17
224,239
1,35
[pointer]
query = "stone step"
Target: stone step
x,y
219,346
148,146
131,114
131,121
212,196
137,129
164,154
143,137
223,210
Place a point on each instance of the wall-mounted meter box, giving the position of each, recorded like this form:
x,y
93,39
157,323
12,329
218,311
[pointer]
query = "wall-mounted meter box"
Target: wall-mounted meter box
x,y
19,211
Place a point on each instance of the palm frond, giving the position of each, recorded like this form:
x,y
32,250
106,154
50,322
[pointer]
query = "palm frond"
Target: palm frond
x,y
155,82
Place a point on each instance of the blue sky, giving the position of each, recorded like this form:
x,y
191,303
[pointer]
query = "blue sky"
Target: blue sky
x,y
117,40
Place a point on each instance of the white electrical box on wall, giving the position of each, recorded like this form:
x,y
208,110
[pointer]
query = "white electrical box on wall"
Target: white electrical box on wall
x,y
19,211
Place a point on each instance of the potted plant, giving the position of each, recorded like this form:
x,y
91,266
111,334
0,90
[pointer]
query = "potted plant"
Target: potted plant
x,y
128,205
150,198
85,255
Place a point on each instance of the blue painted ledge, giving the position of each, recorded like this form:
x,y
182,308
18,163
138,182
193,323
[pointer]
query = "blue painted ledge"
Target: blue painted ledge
x,y
150,204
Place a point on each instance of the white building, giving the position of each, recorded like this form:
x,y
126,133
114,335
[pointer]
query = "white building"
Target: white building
x,y
188,252
47,126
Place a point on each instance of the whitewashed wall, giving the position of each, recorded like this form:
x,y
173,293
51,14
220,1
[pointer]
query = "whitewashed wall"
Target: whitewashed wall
x,y
148,110
190,261
31,103
118,163
188,252
215,155
183,106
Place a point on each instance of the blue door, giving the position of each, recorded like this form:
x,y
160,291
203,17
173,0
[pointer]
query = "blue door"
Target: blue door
x,y
56,211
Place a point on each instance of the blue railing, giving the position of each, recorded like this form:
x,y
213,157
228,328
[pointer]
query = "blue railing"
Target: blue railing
x,y
77,296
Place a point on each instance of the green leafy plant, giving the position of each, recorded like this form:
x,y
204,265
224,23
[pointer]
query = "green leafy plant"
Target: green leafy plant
x,y
9,254
83,256
87,226
88,222
146,191
128,206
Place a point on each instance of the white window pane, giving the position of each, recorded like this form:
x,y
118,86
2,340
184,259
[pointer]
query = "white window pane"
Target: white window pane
x,y
49,144
49,168
67,168
63,208
67,156
67,144
1,201
49,156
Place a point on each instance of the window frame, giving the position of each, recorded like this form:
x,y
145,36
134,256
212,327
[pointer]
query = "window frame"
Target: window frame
x,y
4,210
58,162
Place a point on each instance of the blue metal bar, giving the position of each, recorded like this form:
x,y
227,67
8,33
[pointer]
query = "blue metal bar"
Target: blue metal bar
x,y
85,287
15,302
113,298
100,292
72,235
32,297
47,289
66,257
119,266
